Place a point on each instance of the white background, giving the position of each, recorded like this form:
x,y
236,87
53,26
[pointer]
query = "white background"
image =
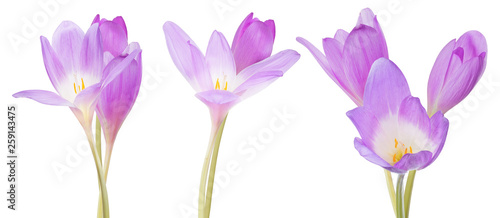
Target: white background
x,y
309,168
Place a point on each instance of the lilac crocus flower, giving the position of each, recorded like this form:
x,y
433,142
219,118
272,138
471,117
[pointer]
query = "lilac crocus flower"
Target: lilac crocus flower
x,y
457,69
349,56
252,42
214,76
396,132
75,66
117,99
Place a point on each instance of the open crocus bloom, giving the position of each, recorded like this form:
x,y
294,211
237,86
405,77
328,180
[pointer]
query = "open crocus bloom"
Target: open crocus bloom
x,y
214,76
116,100
457,69
396,132
349,56
75,66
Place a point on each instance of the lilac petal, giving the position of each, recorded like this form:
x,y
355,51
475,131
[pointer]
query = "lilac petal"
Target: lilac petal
x,y
341,35
333,52
371,156
368,18
97,18
413,161
92,54
219,102
386,87
362,47
44,97
113,69
219,57
186,57
460,83
256,83
272,27
117,98
86,100
67,43
439,130
255,44
120,22
114,37
281,61
438,75
411,111
473,44
53,66
366,123
320,57
241,29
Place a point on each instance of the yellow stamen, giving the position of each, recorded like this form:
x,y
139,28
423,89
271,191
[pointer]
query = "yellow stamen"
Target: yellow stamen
x,y
83,84
217,84
411,150
394,158
406,150
225,88
74,87
396,146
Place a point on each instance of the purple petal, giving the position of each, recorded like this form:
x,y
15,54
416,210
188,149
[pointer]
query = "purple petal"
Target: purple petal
x,y
115,68
120,22
368,18
114,37
341,35
371,156
281,61
473,44
439,131
219,102
44,97
437,76
333,51
67,43
117,98
97,18
366,123
186,57
413,161
318,56
241,29
256,83
86,100
255,44
53,66
363,46
92,54
411,111
386,87
219,57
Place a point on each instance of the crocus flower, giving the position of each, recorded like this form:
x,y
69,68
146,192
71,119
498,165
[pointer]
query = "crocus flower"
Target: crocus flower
x,y
252,42
457,69
214,76
349,56
74,64
396,132
117,99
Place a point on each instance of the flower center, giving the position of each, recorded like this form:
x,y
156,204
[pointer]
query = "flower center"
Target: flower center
x,y
217,85
401,150
76,86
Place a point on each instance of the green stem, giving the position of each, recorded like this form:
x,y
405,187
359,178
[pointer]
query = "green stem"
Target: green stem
x,y
390,188
100,176
399,197
98,137
408,191
208,172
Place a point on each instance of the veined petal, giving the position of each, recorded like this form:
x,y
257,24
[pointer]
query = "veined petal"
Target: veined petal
x,y
438,75
386,87
120,22
91,56
320,57
439,131
255,44
113,69
219,58
67,43
341,35
362,47
281,61
117,98
256,83
366,17
414,161
53,66
371,156
412,112
473,44
87,98
219,102
114,37
366,123
44,97
185,55
241,29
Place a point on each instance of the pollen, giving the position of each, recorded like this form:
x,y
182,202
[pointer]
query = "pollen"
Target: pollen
x,y
217,85
400,151
80,88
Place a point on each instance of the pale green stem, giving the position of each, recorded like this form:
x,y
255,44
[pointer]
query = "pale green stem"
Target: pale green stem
x,y
390,187
399,197
408,191
98,137
208,172
100,175
107,159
